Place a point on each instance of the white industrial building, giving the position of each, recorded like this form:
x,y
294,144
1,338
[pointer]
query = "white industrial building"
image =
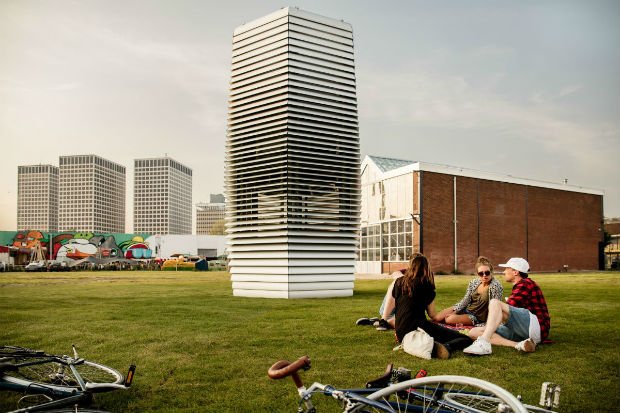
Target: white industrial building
x,y
209,246
292,163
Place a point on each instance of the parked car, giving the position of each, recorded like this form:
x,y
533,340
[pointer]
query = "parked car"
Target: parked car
x,y
58,266
3,266
36,266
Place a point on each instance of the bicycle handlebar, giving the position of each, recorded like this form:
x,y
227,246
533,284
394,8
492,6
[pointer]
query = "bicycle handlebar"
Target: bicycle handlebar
x,y
284,368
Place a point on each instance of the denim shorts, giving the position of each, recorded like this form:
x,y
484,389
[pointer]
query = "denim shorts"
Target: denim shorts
x,y
517,328
472,317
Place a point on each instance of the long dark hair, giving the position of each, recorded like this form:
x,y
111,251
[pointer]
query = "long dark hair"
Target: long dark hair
x,y
419,272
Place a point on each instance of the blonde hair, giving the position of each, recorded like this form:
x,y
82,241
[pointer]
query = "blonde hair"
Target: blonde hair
x,y
483,261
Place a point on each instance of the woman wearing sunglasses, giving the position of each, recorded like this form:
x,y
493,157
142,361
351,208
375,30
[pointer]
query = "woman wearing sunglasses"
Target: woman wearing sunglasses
x,y
474,307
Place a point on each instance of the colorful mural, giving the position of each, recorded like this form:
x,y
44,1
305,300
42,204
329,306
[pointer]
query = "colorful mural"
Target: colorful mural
x,y
78,245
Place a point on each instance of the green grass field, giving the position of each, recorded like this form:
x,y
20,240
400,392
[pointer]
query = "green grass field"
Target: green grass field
x,y
198,348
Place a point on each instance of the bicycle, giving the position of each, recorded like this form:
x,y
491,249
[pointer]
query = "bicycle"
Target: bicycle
x,y
53,382
396,391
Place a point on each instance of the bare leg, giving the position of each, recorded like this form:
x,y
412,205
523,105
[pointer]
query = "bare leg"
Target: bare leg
x,y
459,318
501,341
390,303
443,314
498,313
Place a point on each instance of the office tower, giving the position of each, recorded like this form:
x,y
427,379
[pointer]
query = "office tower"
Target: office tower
x,y
91,195
37,198
208,215
292,164
162,199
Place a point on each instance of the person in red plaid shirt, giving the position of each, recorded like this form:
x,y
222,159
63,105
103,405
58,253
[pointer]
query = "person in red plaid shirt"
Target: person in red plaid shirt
x,y
521,322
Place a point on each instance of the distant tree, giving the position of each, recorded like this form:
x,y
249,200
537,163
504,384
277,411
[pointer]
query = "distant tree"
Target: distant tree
x,y
218,228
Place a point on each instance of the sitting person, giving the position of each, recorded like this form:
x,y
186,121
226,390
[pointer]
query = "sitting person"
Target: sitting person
x,y
473,308
385,321
413,296
522,322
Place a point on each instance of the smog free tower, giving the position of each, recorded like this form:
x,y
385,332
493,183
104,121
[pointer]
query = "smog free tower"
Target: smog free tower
x,y
292,157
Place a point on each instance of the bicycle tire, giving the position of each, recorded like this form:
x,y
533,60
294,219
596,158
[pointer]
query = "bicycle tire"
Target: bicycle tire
x,y
76,410
47,370
461,398
427,395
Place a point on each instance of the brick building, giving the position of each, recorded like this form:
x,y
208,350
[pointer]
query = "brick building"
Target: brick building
x,y
453,215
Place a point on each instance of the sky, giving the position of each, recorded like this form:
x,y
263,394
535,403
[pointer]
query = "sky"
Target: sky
x,y
525,88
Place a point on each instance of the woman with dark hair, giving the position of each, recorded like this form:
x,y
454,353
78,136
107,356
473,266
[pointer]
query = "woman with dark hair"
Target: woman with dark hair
x,y
473,309
413,295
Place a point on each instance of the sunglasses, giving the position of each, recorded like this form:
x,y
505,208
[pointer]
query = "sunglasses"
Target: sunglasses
x,y
482,273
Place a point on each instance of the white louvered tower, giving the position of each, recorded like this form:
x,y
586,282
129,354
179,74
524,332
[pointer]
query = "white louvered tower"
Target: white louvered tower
x,y
292,157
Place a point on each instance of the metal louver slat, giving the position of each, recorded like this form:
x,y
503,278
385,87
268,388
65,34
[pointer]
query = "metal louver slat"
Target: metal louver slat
x,y
292,161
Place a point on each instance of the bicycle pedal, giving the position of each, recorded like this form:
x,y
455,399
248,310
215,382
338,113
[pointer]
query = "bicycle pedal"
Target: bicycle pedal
x,y
401,374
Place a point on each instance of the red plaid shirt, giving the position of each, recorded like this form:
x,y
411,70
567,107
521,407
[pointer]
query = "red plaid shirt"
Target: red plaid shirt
x,y
527,294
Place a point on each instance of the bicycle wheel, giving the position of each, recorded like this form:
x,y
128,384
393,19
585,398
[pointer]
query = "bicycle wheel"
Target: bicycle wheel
x,y
76,409
442,394
53,371
464,400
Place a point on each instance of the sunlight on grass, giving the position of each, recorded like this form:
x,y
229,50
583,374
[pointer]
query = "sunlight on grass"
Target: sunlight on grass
x,y
198,348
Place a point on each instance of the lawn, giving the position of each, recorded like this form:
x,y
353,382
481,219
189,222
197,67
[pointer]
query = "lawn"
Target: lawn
x,y
198,348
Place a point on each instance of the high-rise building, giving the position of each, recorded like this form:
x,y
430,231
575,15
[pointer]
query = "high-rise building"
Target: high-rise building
x,y
162,199
292,164
91,195
208,215
37,198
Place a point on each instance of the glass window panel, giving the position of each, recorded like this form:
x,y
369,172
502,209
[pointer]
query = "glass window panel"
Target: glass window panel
x,y
386,228
401,240
393,227
364,231
401,254
393,242
408,226
408,240
377,241
364,242
400,225
364,255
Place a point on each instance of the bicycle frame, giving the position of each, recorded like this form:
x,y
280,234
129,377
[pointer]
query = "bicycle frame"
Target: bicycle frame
x,y
418,394
57,395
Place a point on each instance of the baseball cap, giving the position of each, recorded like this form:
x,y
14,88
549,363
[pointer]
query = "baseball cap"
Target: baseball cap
x,y
518,264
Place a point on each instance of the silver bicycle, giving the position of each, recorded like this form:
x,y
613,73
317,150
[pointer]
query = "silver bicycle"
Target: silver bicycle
x,y
396,392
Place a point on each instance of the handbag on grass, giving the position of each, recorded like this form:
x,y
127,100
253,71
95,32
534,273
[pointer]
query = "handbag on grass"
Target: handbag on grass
x,y
418,343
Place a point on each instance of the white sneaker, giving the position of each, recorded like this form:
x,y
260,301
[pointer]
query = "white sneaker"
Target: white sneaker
x,y
527,346
480,347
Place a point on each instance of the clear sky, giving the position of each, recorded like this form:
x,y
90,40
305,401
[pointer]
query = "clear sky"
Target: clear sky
x,y
526,88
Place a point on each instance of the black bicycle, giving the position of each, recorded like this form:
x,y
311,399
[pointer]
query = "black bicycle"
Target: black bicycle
x,y
54,383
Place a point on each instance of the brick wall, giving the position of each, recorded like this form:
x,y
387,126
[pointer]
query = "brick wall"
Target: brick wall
x,y
613,228
551,228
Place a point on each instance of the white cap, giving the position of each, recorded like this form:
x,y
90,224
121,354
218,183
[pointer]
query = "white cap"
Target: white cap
x,y
518,264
